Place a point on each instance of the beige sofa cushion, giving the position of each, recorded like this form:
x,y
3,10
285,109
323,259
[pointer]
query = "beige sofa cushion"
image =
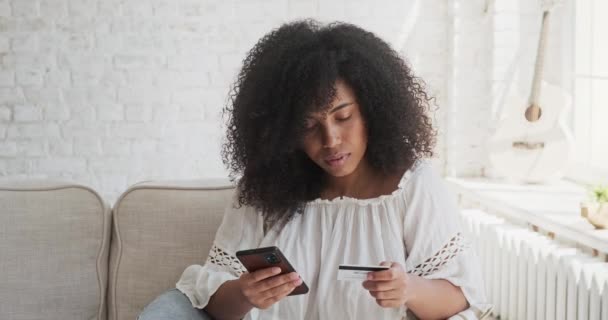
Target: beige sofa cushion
x,y
54,241
159,229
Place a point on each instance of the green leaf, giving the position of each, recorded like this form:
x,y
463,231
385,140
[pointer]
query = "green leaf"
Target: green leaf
x,y
600,194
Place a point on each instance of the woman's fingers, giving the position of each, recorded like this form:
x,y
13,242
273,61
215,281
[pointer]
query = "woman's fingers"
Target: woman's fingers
x,y
270,284
373,285
388,287
387,295
265,273
265,287
277,293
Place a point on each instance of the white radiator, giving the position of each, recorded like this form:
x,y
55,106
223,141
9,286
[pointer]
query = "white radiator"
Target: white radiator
x,y
530,276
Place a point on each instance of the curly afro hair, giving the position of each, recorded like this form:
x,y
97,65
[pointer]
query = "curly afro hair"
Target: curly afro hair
x,y
289,74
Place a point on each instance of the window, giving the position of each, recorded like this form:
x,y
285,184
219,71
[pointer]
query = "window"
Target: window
x,y
590,105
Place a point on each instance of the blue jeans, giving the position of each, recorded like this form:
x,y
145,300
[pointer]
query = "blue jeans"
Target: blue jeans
x,y
172,305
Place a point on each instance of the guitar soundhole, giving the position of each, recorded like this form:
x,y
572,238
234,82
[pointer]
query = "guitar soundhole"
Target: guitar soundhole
x,y
533,113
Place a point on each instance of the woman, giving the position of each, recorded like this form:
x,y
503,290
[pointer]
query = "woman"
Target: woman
x,y
327,134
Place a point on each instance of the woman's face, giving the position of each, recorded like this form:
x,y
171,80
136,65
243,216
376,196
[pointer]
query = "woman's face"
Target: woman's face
x,y
336,140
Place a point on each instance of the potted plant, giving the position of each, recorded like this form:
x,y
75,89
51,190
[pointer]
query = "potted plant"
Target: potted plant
x,y
596,210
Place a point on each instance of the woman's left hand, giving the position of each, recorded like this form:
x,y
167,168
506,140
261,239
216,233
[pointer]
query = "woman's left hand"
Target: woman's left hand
x,y
391,288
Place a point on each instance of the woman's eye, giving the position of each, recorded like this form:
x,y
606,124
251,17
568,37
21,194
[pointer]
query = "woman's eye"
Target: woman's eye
x,y
309,125
344,118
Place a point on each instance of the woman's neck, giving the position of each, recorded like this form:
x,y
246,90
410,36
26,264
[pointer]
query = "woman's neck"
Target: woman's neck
x,y
364,183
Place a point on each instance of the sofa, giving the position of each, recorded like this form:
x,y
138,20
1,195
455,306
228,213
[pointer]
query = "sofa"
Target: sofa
x,y
65,253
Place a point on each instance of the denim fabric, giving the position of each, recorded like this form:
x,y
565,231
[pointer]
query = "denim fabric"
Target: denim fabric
x,y
172,305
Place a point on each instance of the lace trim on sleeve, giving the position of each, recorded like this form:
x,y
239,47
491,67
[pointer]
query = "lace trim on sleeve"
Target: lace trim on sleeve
x,y
221,258
442,257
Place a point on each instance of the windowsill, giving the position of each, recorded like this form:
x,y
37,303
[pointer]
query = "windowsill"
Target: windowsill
x,y
552,207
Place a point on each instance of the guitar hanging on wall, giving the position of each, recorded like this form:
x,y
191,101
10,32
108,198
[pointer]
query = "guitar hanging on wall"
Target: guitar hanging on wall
x,y
532,143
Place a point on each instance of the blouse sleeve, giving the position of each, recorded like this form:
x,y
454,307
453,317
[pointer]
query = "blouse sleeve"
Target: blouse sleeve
x,y
241,228
436,244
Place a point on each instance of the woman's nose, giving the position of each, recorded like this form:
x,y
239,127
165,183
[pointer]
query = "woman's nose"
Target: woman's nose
x,y
331,137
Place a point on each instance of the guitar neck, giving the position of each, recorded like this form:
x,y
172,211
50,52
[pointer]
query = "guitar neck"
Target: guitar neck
x,y
540,59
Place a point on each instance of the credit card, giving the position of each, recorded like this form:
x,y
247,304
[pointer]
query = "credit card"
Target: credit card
x,y
357,272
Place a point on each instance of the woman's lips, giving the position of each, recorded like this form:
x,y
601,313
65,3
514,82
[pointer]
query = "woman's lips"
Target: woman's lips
x,y
337,160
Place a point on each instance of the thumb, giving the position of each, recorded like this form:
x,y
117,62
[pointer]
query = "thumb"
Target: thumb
x,y
397,265
385,263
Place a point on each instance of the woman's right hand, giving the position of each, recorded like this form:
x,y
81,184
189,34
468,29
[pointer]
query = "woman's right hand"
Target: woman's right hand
x,y
263,288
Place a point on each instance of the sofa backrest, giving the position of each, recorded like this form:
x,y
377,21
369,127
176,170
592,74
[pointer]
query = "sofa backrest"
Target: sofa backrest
x,y
54,243
159,229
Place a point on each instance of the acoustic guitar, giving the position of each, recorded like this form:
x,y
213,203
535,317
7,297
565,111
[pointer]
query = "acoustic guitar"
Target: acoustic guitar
x,y
532,142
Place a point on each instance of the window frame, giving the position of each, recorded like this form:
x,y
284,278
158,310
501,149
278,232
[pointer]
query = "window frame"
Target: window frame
x,y
581,168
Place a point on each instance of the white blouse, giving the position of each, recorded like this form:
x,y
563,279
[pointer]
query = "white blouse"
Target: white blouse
x,y
418,226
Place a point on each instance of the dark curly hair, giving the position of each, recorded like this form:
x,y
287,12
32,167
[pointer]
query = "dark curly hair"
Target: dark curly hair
x,y
290,73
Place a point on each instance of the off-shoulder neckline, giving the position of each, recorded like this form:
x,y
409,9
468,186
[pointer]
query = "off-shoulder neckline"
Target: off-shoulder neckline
x,y
377,200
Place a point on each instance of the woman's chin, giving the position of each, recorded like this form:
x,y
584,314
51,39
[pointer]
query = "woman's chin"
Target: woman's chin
x,y
338,172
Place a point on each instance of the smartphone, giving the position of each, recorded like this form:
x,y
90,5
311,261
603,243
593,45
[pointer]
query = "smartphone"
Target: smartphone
x,y
260,258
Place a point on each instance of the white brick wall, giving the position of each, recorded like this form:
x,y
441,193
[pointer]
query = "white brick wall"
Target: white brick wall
x,y
111,92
